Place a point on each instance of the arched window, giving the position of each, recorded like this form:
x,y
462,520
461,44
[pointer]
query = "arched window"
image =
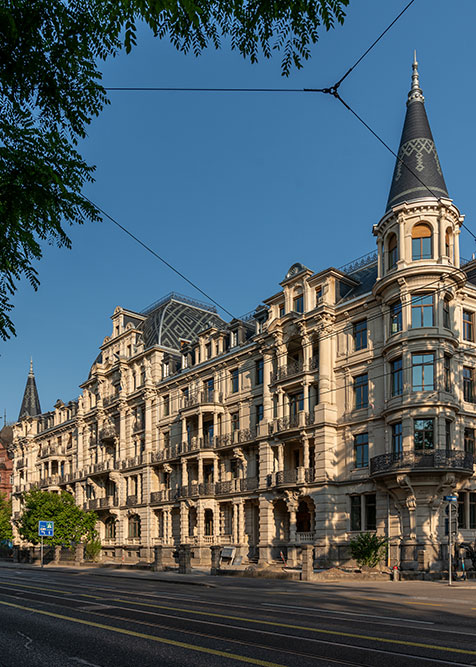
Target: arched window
x,y
392,251
421,241
208,522
134,525
110,528
298,301
449,244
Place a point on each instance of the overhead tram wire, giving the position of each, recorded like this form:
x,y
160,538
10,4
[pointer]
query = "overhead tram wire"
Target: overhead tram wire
x,y
155,254
330,90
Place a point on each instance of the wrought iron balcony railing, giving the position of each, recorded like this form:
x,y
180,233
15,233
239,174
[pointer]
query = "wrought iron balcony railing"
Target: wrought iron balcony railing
x,y
425,460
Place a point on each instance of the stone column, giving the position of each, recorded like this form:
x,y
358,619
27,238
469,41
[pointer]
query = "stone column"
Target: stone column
x,y
183,522
216,553
148,421
266,529
185,566
79,554
305,449
158,559
280,450
200,426
307,562
215,470
184,473
200,469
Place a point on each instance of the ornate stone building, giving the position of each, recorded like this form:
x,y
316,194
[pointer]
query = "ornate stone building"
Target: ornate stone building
x,y
344,404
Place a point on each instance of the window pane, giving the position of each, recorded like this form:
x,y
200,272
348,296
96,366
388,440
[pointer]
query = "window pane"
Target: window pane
x,y
355,513
370,512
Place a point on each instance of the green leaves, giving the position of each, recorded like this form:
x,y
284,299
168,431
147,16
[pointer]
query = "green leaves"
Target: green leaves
x,y
5,518
72,524
50,90
368,549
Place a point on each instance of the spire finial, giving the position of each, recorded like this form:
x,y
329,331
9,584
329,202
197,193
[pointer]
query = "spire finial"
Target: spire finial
x,y
415,94
31,366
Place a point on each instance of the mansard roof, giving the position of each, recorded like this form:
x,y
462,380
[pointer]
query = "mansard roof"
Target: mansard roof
x,y
175,318
417,156
30,406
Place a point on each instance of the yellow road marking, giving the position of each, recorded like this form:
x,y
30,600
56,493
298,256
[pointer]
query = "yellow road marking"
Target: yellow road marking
x,y
142,635
352,635
85,595
40,588
427,604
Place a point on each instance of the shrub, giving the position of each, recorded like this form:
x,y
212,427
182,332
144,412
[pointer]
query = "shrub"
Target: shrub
x,y
92,549
368,549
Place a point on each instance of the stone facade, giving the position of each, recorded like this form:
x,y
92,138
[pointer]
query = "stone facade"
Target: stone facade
x,y
344,404
6,462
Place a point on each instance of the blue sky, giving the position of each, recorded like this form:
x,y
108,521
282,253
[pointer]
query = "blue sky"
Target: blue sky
x,y
234,188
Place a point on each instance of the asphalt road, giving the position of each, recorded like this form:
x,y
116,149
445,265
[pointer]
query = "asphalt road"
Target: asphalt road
x,y
78,618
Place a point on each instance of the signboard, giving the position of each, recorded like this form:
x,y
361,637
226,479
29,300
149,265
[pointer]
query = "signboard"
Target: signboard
x,y
451,499
46,528
228,553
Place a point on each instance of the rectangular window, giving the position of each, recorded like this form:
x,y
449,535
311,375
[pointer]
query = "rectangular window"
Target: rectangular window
x,y
397,376
370,511
447,372
423,434
299,304
446,314
467,325
361,391
360,335
472,511
259,413
423,374
318,295
259,371
421,247
356,512
469,440
448,435
208,350
235,422
468,390
461,510
209,387
166,406
396,317
235,380
397,438
422,310
282,310
296,403
361,450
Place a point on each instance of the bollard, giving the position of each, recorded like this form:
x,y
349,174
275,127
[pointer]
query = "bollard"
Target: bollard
x,y
395,573
307,562
185,559
216,553
158,565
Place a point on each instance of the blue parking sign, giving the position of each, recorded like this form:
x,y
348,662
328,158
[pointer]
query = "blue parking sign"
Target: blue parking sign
x,y
46,528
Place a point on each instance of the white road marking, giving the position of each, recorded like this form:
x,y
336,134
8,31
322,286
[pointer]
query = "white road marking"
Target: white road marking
x,y
29,640
84,662
347,613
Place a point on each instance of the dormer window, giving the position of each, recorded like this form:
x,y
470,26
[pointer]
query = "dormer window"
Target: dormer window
x,y
281,310
165,369
422,242
298,303
392,250
234,338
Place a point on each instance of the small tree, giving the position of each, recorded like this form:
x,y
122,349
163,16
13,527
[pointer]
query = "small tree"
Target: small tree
x,y
72,524
368,549
5,518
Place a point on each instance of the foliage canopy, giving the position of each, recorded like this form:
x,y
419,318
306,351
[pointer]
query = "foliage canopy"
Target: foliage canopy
x,y
72,524
5,518
50,90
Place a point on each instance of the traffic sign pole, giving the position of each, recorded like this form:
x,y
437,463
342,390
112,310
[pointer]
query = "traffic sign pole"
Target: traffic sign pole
x,y
449,547
41,551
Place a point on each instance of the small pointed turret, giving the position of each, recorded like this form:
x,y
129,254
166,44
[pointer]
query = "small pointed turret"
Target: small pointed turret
x,y
30,405
417,152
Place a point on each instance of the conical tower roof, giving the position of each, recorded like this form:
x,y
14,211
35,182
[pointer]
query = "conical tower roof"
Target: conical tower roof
x,y
30,406
418,152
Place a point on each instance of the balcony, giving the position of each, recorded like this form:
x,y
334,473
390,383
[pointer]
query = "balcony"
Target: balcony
x,y
195,489
305,538
438,459
290,477
202,398
160,496
131,500
53,480
108,434
108,501
236,485
298,420
236,438
51,450
294,368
